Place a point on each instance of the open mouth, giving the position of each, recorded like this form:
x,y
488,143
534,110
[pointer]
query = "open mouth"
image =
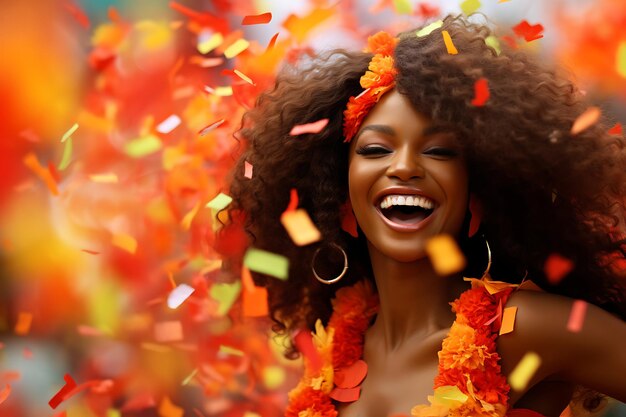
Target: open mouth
x,y
406,210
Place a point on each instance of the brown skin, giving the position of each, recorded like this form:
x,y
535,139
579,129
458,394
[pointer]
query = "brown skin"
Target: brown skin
x,y
401,346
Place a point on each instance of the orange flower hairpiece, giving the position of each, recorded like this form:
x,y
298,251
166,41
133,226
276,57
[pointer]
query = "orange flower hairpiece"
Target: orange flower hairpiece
x,y
379,78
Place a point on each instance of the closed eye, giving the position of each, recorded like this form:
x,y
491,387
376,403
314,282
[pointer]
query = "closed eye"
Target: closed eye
x,y
372,150
442,152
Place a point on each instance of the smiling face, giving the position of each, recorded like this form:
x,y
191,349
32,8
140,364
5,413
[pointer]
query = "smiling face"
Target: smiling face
x,y
407,179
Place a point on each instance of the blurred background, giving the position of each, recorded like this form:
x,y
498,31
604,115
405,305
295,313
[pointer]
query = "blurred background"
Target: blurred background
x,y
117,137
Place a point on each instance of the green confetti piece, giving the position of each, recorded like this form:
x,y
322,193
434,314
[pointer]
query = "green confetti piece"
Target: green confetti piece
x,y
493,42
402,6
220,202
187,380
225,295
426,30
143,146
230,351
267,263
67,155
69,133
621,59
470,6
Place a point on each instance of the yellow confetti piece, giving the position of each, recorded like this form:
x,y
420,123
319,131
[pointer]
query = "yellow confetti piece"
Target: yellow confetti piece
x,y
524,371
143,146
22,327
227,350
124,241
111,412
185,223
168,409
402,6
207,45
226,295
508,320
67,155
69,132
189,377
300,227
244,77
470,6
224,91
494,43
273,377
586,120
445,255
267,263
236,48
32,162
448,41
426,30
620,60
449,395
108,178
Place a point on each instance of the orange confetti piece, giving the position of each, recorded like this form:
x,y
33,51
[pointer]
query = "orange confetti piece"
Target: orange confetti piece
x,y
33,164
258,19
577,316
448,41
300,228
557,267
293,201
124,241
24,320
586,120
314,127
616,129
481,93
185,223
168,409
272,42
254,298
527,31
4,394
59,397
78,14
168,331
109,178
508,320
445,255
301,26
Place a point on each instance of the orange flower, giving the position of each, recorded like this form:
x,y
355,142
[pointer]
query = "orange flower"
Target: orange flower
x,y
381,43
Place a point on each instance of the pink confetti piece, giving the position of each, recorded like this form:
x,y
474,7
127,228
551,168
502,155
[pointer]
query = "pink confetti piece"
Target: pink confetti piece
x,y
59,397
314,127
168,331
577,316
178,295
247,170
211,127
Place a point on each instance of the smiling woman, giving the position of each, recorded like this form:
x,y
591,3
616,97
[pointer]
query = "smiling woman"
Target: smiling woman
x,y
428,167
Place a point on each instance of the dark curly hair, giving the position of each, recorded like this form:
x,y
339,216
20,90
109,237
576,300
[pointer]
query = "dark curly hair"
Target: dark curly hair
x,y
543,190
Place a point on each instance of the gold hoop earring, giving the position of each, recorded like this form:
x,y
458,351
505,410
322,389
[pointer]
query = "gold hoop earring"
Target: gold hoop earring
x,y
337,278
486,273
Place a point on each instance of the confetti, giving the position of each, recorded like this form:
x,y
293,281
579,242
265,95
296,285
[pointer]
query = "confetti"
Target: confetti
x,y
273,377
185,223
247,170
4,393
67,155
78,14
351,376
138,402
189,377
254,298
24,320
481,92
293,200
169,124
236,48
227,350
226,295
258,19
108,178
402,6
44,174
314,127
125,242
620,59
508,320
244,77
168,409
59,397
300,27
272,42
345,395
468,7
527,31
211,127
300,228
168,331
445,255
67,135
524,371
219,202
587,119
143,146
267,263
428,29
207,44
178,295
448,41
304,343
493,42
222,91
557,267
577,316
616,129
348,220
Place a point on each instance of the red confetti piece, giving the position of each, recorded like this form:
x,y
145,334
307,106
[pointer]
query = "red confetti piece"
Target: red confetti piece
x,y
577,316
527,31
481,92
203,18
351,376
4,394
314,127
616,129
32,162
59,397
556,267
272,42
304,342
510,41
345,395
293,200
258,19
78,14
139,402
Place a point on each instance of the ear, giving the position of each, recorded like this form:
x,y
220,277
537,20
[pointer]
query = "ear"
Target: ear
x,y
475,209
348,221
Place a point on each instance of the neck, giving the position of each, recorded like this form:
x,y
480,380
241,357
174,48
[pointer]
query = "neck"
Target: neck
x,y
414,300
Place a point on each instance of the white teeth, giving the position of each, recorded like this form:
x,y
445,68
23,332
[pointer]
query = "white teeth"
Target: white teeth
x,y
404,200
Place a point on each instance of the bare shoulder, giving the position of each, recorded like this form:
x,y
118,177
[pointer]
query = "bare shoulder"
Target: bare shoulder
x,y
576,341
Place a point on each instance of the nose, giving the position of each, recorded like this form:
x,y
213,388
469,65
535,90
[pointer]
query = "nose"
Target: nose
x,y
405,165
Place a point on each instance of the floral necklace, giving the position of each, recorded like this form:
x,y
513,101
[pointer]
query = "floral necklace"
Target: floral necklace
x,y
469,381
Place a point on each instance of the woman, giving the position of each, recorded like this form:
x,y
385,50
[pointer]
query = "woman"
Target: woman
x,y
415,157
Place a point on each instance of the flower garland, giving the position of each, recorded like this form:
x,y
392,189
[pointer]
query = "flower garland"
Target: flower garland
x,y
379,78
469,382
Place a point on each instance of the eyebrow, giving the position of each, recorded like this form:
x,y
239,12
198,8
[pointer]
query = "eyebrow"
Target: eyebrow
x,y
431,130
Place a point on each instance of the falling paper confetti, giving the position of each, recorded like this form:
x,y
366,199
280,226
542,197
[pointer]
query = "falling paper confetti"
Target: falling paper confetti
x,y
428,29
22,327
300,227
524,371
169,124
470,6
402,6
557,267
108,178
168,331
59,397
445,255
67,155
236,48
168,409
448,41
227,350
226,295
124,241
219,202
481,92
508,320
314,127
4,393
206,45
493,42
69,133
620,59
587,119
247,172
211,127
178,295
143,146
257,19
616,129
527,31
577,316
266,263
32,162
